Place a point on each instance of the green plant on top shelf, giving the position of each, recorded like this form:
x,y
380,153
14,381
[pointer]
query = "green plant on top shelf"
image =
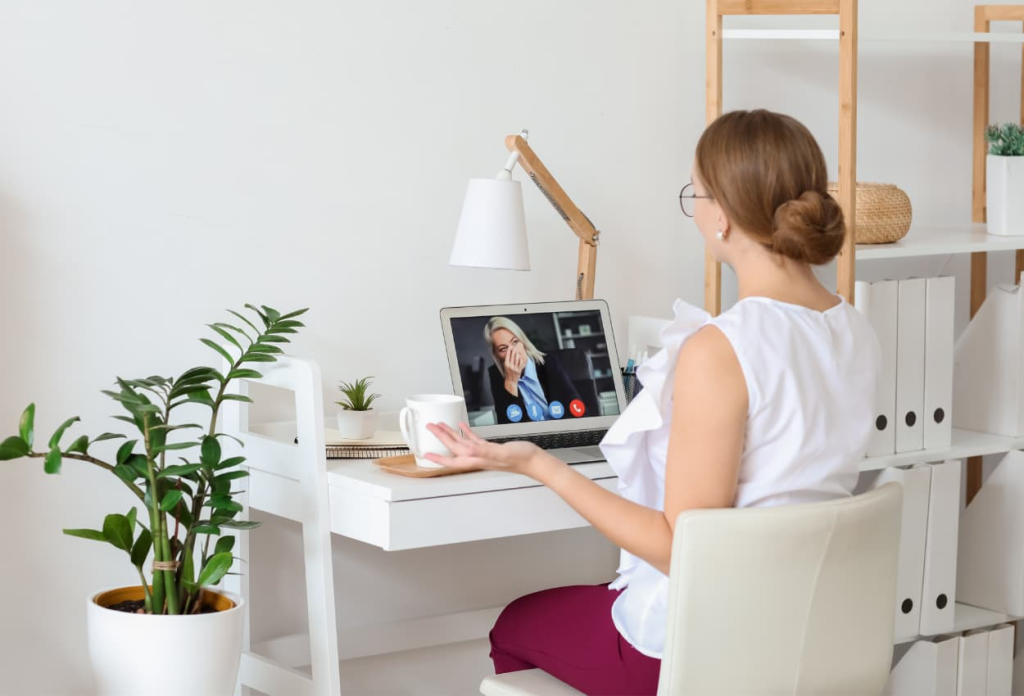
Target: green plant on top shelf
x,y
356,397
1005,140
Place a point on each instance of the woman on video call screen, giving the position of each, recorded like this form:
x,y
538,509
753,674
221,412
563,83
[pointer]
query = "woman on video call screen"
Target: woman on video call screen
x,y
539,367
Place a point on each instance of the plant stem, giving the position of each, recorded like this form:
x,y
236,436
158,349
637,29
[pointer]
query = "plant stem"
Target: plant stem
x,y
201,490
166,590
101,464
170,586
146,592
158,555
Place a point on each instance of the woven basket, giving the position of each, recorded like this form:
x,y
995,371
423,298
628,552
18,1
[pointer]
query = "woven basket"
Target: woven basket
x,y
883,212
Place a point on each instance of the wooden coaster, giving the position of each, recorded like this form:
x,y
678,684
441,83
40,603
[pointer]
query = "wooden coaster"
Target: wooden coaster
x,y
405,465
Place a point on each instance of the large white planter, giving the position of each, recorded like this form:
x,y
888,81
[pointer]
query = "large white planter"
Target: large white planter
x,y
135,654
357,425
1004,185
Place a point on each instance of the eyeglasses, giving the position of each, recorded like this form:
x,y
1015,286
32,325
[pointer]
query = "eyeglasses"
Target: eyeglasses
x,y
687,200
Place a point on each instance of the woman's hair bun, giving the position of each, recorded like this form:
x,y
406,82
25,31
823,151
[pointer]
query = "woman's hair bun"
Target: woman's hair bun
x,y
810,228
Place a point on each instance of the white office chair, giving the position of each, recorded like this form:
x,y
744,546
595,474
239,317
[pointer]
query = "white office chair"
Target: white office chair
x,y
795,600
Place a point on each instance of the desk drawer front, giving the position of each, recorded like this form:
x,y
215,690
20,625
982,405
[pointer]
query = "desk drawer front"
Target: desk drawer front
x,y
413,524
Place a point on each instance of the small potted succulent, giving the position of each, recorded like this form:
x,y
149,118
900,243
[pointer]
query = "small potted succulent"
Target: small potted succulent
x,y
357,420
1004,179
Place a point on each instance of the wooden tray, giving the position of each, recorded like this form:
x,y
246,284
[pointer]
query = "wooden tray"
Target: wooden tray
x,y
405,465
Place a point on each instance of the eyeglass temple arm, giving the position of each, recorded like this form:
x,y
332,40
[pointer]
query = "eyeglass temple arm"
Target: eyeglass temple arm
x,y
573,216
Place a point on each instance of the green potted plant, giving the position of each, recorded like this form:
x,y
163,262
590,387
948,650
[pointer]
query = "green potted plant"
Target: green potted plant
x,y
171,633
1004,179
357,420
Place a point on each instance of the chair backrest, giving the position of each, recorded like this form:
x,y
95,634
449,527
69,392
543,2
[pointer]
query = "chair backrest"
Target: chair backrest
x,y
794,600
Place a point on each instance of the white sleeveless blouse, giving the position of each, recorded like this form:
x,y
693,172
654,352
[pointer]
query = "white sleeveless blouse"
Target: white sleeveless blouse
x,y
810,379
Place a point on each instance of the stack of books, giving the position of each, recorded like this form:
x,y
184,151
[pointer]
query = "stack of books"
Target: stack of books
x,y
384,443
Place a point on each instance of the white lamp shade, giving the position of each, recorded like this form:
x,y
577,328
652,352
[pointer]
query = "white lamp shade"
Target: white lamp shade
x,y
492,229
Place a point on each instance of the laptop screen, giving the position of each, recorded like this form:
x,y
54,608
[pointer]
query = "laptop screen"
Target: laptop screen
x,y
523,365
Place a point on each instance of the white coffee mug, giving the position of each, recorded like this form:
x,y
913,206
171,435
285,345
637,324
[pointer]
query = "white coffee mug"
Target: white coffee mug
x,y
429,408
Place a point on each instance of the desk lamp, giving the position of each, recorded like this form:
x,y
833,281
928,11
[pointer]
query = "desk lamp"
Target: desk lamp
x,y
492,228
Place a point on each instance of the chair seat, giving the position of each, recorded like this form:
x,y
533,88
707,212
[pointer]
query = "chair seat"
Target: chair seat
x,y
527,682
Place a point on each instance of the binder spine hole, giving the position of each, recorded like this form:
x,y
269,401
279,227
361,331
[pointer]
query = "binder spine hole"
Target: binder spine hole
x,y
939,415
911,419
941,601
907,606
881,423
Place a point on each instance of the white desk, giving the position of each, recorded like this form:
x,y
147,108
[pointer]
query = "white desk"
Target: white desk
x,y
395,512
389,512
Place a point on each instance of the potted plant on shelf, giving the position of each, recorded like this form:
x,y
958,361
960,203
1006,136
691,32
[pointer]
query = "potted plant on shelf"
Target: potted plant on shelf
x,y
357,420
172,633
1004,179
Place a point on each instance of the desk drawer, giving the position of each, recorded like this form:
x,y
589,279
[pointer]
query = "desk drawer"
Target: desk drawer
x,y
412,524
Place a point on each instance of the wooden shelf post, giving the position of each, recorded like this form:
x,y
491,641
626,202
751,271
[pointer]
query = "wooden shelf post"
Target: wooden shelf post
x,y
847,11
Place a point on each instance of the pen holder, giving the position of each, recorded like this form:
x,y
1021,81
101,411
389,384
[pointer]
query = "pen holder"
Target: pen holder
x,y
631,384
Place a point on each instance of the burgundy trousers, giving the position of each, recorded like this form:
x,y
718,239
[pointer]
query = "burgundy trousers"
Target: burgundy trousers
x,y
568,633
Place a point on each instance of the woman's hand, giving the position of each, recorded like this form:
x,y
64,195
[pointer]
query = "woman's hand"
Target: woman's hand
x,y
515,363
469,451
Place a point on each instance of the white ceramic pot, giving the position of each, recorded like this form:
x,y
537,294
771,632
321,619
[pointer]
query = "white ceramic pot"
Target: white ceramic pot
x,y
357,425
1004,204
133,654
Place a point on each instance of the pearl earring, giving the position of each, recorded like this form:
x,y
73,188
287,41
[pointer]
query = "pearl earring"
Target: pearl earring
x,y
721,235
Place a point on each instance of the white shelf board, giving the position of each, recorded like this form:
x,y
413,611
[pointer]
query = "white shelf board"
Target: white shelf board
x,y
966,443
968,618
881,37
935,240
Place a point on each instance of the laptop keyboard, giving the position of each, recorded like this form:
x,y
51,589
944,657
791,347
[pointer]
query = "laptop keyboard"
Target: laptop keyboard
x,y
576,438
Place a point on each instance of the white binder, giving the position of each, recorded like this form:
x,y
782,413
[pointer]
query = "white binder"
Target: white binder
x,y
910,365
938,363
878,302
1000,661
913,529
972,672
926,668
938,590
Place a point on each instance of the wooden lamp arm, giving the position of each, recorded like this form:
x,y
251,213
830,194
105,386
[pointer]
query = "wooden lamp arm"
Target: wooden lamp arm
x,y
573,216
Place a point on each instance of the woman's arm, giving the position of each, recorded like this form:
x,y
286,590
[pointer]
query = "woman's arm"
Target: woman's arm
x,y
709,413
708,420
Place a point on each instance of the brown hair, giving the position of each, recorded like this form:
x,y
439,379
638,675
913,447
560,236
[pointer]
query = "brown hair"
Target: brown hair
x,y
768,174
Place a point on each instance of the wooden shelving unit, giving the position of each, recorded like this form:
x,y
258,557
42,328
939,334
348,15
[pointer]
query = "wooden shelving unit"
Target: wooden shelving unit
x,y
923,240
984,15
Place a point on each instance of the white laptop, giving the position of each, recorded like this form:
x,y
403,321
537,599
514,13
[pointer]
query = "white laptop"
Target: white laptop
x,y
548,372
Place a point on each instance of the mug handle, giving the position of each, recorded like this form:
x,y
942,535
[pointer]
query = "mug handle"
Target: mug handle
x,y
408,428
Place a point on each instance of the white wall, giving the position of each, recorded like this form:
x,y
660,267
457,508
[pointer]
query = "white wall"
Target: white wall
x,y
162,161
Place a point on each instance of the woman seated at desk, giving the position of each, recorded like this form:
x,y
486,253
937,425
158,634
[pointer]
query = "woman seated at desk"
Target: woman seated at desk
x,y
523,376
769,403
